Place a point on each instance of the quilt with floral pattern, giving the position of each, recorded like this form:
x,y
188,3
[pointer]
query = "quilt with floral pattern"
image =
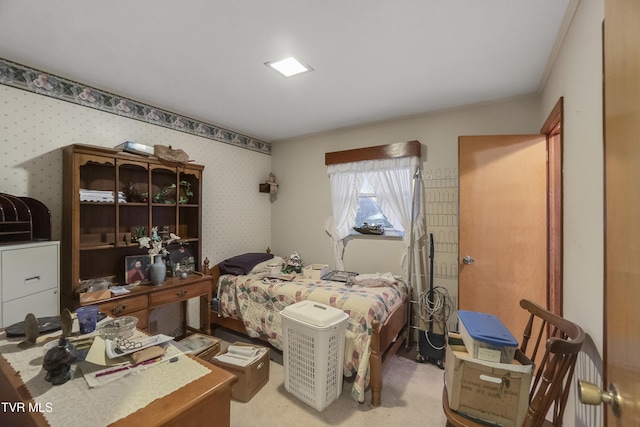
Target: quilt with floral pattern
x,y
257,300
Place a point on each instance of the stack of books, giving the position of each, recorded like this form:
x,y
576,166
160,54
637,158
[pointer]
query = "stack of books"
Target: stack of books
x,y
135,148
101,196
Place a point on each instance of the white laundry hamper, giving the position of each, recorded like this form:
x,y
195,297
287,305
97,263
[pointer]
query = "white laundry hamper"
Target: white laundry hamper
x,y
313,349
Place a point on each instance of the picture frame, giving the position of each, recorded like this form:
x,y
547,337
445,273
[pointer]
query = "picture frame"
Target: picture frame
x,y
180,253
197,343
134,275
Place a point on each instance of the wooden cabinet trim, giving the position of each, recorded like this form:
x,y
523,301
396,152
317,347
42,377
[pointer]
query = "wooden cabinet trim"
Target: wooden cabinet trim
x,y
389,151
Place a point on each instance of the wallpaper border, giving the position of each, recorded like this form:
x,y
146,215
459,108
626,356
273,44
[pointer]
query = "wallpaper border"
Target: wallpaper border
x,y
36,81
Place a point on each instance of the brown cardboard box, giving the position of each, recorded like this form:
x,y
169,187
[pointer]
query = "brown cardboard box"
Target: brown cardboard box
x,y
488,391
89,297
251,378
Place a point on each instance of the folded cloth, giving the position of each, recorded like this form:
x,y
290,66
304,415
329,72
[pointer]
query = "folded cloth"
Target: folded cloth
x,y
243,264
376,279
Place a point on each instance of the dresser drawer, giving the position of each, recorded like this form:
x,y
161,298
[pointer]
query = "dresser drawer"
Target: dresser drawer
x,y
180,293
29,270
143,319
124,306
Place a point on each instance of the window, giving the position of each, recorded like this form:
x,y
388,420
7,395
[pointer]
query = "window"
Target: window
x,y
386,197
369,211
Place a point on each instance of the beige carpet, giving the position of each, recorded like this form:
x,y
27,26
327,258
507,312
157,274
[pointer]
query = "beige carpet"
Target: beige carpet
x,y
411,396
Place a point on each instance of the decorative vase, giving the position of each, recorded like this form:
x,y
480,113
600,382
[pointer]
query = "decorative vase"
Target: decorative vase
x,y
158,270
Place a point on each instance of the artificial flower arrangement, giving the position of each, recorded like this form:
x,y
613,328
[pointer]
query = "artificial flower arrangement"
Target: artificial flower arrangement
x,y
155,243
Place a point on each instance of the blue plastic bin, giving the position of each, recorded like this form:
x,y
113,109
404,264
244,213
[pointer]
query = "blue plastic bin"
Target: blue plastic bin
x,y
486,337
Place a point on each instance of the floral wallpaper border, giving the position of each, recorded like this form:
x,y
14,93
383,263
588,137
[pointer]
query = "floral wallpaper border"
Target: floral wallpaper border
x,y
32,80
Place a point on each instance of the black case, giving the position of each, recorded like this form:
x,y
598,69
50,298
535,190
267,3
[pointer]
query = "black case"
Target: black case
x,y
432,347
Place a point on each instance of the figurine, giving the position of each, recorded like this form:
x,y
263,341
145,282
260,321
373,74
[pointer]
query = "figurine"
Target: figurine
x,y
293,264
57,362
367,228
273,185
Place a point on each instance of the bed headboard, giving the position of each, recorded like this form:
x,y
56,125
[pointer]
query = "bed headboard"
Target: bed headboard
x,y
215,272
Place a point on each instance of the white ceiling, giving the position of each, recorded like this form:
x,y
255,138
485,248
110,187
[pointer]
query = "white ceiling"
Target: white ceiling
x,y
373,59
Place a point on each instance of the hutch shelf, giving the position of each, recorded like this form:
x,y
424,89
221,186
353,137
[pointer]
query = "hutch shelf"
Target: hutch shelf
x,y
112,197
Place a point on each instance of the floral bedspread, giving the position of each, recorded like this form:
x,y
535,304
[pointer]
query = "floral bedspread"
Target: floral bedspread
x,y
257,301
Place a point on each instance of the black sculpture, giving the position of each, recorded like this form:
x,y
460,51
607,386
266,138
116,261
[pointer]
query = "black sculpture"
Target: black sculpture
x,y
57,362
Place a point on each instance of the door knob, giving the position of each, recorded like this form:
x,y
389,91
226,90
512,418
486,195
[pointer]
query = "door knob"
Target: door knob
x,y
590,394
468,260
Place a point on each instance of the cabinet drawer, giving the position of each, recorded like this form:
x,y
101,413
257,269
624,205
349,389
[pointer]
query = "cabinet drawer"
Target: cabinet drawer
x,y
143,319
29,270
124,306
180,293
42,304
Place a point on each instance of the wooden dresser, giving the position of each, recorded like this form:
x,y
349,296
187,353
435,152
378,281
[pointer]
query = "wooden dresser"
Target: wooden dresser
x,y
143,299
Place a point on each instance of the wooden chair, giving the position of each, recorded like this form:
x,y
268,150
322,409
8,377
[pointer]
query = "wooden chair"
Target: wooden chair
x,y
554,365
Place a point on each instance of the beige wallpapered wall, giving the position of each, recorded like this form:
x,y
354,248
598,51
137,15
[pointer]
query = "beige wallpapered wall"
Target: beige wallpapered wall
x,y
33,128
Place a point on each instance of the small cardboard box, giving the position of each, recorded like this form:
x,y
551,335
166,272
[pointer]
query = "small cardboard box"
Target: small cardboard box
x,y
89,297
251,378
315,271
488,391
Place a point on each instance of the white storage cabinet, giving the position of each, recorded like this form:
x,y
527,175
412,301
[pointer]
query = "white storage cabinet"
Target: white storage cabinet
x,y
29,281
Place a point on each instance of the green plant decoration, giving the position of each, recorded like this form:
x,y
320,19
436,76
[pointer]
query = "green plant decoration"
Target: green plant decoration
x,y
168,194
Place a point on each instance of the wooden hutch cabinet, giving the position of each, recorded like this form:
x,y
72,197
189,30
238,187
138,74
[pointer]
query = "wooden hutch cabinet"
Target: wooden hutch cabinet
x,y
111,196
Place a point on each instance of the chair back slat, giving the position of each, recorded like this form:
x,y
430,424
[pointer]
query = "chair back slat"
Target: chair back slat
x,y
553,344
554,367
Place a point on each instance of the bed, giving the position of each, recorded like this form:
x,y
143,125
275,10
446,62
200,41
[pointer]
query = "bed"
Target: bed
x,y
249,302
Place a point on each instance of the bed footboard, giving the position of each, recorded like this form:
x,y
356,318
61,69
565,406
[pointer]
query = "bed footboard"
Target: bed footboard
x,y
385,341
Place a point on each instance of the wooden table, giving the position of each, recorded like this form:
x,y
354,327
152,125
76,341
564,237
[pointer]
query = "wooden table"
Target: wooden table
x,y
205,401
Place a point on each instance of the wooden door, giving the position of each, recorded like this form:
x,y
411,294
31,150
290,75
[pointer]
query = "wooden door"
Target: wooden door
x,y
622,207
503,225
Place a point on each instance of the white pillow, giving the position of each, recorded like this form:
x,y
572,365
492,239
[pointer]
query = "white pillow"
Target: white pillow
x,y
262,267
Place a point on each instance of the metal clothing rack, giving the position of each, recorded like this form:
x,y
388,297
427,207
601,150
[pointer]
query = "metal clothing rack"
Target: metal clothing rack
x,y
415,270
431,344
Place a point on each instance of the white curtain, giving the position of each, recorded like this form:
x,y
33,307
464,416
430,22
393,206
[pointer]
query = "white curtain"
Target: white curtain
x,y
391,180
345,180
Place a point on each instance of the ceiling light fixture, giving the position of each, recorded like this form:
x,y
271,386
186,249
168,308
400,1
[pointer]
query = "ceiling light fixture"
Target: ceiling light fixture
x,y
289,66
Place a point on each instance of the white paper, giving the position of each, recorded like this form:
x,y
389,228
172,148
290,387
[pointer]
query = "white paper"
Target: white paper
x,y
98,376
144,343
98,356
241,359
118,290
242,350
